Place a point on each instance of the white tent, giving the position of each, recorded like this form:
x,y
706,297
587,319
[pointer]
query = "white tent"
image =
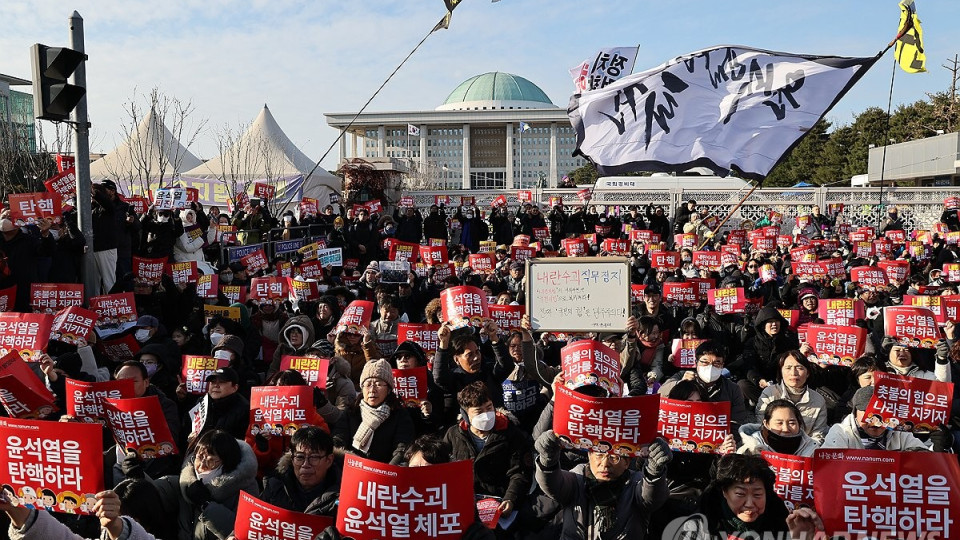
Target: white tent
x,y
147,150
265,152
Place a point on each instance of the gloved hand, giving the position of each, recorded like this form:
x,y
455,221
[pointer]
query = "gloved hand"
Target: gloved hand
x,y
658,458
943,351
548,446
263,444
198,493
330,533
131,466
319,398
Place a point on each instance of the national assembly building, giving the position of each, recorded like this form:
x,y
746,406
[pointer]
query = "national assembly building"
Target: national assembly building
x,y
474,139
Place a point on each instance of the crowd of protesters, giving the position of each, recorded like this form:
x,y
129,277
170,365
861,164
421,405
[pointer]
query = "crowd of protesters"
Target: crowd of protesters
x,y
780,399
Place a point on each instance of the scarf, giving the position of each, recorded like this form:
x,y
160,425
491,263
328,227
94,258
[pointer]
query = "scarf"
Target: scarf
x,y
872,443
782,444
794,394
731,524
370,420
603,497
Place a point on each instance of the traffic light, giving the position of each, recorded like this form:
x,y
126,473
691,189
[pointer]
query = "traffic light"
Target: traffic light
x,y
53,96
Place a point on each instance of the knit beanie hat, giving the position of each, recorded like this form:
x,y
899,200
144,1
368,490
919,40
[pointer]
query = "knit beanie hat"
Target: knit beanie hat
x,y
861,398
378,369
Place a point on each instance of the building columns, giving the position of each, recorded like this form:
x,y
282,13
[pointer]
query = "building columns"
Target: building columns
x,y
552,181
381,141
466,156
423,149
509,174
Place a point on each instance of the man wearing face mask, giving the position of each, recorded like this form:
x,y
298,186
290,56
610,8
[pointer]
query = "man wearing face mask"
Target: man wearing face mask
x,y
149,331
161,370
711,386
501,452
227,408
435,224
473,229
159,232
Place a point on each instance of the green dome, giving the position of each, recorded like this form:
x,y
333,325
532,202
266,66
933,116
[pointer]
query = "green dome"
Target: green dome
x,y
495,87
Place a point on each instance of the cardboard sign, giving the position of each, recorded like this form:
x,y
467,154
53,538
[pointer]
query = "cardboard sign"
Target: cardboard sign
x,y
264,191
50,298
139,425
356,318
587,294
636,293
764,244
694,426
411,384
424,335
281,410
575,247
794,483
22,393
665,260
417,503
685,353
507,317
589,362
911,326
836,345
314,370
903,403
196,369
680,294
85,400
617,425
56,466
149,271
73,325
269,289
257,520
840,311
63,184
25,333
727,300
464,306
30,208
877,493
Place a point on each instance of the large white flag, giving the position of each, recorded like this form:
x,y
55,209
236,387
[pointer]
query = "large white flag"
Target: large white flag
x,y
725,108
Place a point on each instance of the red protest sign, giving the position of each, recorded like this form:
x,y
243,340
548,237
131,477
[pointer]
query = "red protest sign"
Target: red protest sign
x,y
618,425
139,204
309,207
792,317
507,317
183,273
85,399
303,291
64,458
257,520
29,208
685,353
120,349
524,196
73,325
196,369
417,503
709,260
702,286
615,247
424,335
903,403
499,201
665,260
255,261
636,293
207,285
878,493
521,253
432,255
281,410
794,482
488,509
951,271
314,370
374,206
837,345
25,333
269,289
311,270
584,194
65,162
52,297
411,384
728,300
694,426
685,240
896,270
542,234
22,393
8,297
644,236
263,190
869,276
464,306
284,269
482,262
356,318
680,294
897,237
575,247
840,311
63,184
406,202
950,308
764,243
441,199
236,294
404,251
139,425
911,326
148,271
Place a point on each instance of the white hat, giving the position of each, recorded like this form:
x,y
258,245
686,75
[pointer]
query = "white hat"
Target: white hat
x,y
7,226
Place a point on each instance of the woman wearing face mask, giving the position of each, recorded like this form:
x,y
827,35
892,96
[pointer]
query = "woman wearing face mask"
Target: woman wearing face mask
x,y
159,230
158,370
378,426
473,229
216,469
795,371
189,245
781,431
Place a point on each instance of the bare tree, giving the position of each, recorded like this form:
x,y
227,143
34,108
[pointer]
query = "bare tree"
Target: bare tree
x,y
24,169
240,159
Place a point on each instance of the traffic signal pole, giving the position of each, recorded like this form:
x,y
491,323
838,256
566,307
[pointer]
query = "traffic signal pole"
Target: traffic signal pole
x,y
81,151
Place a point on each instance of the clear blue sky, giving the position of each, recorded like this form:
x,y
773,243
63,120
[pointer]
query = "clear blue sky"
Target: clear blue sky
x,y
305,57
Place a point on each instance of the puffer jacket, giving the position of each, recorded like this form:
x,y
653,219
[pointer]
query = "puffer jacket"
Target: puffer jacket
x,y
390,439
305,325
754,444
812,406
760,358
845,435
189,245
502,467
282,489
216,518
43,526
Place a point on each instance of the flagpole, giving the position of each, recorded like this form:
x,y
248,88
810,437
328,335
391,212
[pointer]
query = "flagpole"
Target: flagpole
x,y
729,215
886,136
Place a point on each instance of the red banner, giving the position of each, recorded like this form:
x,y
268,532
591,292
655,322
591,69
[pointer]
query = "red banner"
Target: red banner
x,y
63,184
411,384
685,353
416,503
30,208
263,190
575,247
794,483
85,400
22,393
356,318
464,306
618,425
680,294
314,370
424,335
183,273
837,345
281,410
25,333
665,260
65,162
903,403
269,289
507,317
57,466
139,425
207,285
432,255
911,326
840,311
196,369
694,426
50,298
148,270
257,520
881,494
728,300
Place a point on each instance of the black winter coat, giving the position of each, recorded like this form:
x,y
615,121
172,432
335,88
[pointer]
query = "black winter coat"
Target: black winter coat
x,y
390,439
282,489
503,466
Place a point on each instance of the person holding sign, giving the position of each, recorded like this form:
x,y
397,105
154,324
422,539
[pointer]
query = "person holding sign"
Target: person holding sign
x,y
410,355
854,431
757,367
900,359
782,431
604,498
27,523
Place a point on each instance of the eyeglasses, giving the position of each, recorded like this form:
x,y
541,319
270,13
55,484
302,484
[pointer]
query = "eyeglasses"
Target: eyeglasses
x,y
314,459
206,460
612,459
716,363
373,384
